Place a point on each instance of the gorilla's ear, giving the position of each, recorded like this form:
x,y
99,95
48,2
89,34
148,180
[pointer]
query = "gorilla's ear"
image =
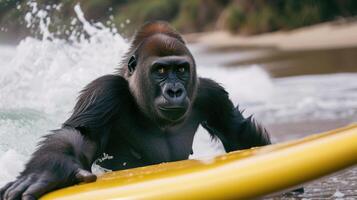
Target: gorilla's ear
x,y
132,64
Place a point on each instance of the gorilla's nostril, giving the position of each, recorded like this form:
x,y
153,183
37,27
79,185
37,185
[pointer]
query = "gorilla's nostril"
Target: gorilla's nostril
x,y
179,92
174,93
171,93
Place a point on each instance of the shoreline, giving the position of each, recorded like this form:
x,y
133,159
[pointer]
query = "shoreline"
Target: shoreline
x,y
329,47
326,35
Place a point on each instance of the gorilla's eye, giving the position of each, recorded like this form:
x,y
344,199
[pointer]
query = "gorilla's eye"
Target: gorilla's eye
x,y
161,70
181,69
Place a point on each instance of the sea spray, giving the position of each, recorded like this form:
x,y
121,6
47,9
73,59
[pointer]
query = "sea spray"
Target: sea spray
x,y
46,74
39,85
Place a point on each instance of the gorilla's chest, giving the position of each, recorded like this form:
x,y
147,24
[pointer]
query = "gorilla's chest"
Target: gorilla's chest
x,y
135,146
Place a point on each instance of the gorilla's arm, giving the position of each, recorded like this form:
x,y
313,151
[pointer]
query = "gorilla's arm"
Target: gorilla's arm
x,y
64,157
225,121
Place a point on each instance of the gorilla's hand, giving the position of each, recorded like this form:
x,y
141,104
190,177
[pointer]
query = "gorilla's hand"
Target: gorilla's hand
x,y
35,184
61,160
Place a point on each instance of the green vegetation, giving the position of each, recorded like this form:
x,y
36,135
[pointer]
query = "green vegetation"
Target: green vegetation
x,y
237,16
260,16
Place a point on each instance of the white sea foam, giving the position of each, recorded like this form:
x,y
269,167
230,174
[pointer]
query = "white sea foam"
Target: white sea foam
x,y
11,163
310,97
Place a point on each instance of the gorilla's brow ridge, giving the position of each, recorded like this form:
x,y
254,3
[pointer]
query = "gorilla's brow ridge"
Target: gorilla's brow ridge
x,y
163,45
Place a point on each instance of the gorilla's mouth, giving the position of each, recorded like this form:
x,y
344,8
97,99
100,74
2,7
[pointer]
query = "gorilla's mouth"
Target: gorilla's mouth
x,y
172,108
172,113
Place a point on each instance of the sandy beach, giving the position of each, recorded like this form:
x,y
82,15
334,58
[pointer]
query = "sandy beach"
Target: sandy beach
x,y
319,49
337,34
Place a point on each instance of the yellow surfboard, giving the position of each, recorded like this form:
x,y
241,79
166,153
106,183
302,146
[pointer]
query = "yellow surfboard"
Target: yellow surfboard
x,y
238,175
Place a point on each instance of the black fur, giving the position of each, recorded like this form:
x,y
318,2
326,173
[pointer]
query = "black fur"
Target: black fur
x,y
111,116
221,119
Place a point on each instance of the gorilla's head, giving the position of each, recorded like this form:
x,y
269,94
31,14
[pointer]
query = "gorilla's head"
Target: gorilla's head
x,y
161,73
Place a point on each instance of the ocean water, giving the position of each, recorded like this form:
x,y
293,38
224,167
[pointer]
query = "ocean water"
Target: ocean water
x,y
40,80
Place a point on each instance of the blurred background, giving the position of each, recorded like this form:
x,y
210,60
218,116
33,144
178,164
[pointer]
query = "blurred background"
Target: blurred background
x,y
291,64
243,17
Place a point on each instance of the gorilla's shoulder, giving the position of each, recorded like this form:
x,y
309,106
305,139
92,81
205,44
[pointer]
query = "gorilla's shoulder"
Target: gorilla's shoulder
x,y
209,89
107,82
212,99
99,101
106,88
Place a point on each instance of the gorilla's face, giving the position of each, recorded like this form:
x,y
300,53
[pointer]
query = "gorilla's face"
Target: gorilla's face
x,y
164,81
171,75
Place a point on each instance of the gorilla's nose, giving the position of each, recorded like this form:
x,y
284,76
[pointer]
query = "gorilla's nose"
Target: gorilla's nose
x,y
174,93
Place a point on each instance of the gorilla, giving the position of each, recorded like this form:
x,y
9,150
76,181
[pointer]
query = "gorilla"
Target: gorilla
x,y
144,114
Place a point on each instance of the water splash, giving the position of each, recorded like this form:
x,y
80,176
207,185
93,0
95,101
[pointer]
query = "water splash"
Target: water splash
x,y
39,85
43,69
